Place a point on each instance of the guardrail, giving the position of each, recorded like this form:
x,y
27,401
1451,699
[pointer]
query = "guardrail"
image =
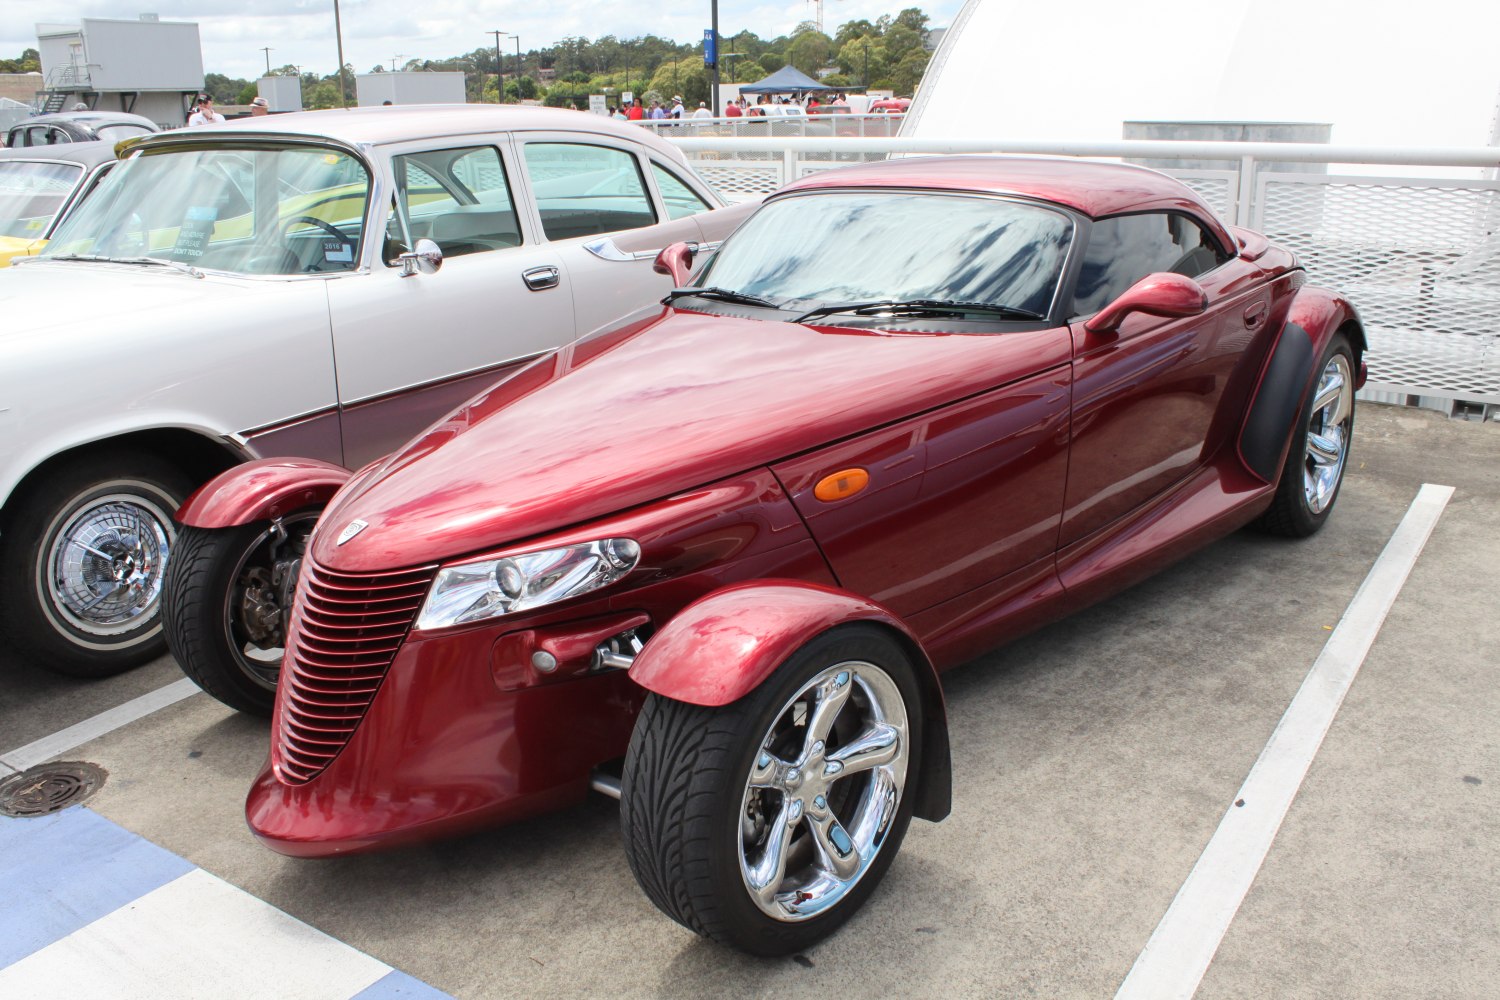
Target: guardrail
x,y
1418,253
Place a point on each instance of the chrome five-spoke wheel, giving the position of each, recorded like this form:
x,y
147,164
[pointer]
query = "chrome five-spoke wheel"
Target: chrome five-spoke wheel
x,y
765,823
1318,452
823,791
1328,433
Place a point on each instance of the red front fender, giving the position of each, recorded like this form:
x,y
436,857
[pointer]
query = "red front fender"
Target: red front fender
x,y
721,647
261,490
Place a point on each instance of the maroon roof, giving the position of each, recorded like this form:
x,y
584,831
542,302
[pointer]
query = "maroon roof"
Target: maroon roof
x,y
1096,189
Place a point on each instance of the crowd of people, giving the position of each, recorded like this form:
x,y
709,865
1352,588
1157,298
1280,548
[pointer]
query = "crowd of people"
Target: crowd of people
x,y
737,107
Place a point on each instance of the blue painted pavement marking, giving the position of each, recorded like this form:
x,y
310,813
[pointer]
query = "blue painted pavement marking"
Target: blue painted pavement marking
x,y
93,910
65,871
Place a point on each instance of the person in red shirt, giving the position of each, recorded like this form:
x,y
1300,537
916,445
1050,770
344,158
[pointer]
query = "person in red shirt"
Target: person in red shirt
x,y
635,112
733,110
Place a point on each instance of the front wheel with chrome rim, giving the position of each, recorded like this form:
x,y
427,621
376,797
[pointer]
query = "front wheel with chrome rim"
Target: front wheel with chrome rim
x,y
227,600
1319,451
83,553
765,824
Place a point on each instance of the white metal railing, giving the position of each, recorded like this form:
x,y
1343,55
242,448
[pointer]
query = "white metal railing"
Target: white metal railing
x,y
774,126
1418,254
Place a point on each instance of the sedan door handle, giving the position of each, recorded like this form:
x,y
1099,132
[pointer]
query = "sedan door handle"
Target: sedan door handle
x,y
539,278
1254,314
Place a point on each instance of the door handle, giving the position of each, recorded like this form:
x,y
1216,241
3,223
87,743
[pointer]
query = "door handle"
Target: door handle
x,y
1254,313
539,278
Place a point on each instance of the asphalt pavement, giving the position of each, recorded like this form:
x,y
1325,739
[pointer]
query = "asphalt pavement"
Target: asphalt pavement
x,y
1093,763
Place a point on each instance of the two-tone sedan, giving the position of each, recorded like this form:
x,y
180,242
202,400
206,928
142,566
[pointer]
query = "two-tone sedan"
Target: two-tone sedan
x,y
908,411
268,287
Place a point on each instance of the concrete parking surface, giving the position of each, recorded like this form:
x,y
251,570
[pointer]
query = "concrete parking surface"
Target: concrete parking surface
x,y
1093,762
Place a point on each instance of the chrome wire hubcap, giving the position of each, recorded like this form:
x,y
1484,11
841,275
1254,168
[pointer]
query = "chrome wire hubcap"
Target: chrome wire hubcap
x,y
105,566
1328,434
823,791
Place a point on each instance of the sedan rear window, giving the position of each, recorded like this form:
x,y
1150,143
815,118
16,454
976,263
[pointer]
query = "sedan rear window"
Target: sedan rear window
x,y
584,190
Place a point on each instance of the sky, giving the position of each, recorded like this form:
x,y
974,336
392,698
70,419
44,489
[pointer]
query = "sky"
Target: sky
x,y
300,32
1382,72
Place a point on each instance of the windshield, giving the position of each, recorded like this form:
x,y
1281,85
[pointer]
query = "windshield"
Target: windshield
x,y
824,249
262,210
32,193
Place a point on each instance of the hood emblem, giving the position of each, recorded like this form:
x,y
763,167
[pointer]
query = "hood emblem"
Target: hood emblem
x,y
352,529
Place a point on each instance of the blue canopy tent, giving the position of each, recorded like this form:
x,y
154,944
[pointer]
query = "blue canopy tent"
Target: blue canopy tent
x,y
787,80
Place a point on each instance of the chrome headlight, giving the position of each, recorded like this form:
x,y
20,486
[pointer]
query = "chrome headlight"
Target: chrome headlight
x,y
471,592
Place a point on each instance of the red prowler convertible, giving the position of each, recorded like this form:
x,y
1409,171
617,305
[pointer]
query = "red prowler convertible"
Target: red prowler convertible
x,y
713,560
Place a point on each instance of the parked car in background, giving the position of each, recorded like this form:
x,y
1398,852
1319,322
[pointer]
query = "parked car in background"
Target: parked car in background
x,y
39,186
909,410
891,106
78,126
271,287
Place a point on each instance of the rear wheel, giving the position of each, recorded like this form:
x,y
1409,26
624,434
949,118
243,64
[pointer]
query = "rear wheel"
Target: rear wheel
x,y
82,560
227,599
764,824
1319,450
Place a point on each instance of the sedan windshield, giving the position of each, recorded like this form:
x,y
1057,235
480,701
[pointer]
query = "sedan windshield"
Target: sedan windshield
x,y
816,252
262,210
32,193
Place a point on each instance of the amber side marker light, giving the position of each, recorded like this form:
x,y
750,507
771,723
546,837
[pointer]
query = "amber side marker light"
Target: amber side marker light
x,y
841,485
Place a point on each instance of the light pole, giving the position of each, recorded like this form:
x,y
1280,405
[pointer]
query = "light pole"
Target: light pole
x,y
267,50
499,69
517,40
338,31
714,6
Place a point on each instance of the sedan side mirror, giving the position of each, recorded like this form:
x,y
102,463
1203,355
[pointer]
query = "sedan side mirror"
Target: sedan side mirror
x,y
675,260
1164,294
426,257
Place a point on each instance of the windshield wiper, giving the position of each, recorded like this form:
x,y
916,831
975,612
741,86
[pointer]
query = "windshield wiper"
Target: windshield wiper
x,y
157,261
918,307
720,294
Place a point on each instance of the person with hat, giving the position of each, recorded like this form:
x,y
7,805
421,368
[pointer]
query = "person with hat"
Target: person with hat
x,y
677,110
205,115
259,107
703,111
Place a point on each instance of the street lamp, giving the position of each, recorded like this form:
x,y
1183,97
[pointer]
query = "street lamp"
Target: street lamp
x,y
517,40
499,69
338,32
268,50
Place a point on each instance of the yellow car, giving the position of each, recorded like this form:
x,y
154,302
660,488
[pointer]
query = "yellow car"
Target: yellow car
x,y
39,185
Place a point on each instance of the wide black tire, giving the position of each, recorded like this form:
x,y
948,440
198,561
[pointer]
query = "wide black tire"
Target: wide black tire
x,y
78,500
683,797
1298,511
204,610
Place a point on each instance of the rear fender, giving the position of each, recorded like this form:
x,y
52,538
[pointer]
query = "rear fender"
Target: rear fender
x,y
1289,372
261,491
723,646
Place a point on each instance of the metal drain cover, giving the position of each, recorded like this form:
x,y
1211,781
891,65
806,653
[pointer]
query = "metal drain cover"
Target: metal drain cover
x,y
50,788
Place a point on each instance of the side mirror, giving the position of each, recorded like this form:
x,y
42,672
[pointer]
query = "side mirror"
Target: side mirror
x,y
675,260
1164,294
426,257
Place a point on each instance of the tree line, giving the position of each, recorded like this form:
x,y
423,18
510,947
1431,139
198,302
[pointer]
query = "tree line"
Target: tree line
x,y
888,53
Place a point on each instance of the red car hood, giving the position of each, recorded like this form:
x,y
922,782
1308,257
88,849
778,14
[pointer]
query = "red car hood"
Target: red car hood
x,y
647,411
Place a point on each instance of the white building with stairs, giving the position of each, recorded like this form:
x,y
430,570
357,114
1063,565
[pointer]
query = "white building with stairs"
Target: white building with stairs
x,y
145,66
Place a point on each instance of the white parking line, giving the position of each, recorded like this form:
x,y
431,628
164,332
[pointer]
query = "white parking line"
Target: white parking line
x,y
91,729
1183,944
